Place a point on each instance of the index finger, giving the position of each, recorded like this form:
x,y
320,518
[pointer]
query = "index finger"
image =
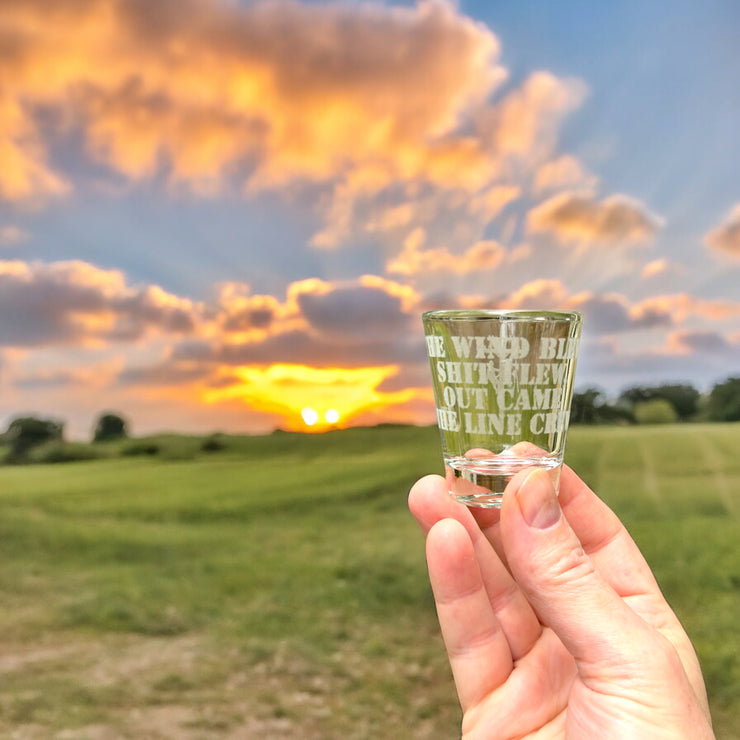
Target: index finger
x,y
476,644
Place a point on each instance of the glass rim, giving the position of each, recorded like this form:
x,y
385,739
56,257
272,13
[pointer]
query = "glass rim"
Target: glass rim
x,y
486,314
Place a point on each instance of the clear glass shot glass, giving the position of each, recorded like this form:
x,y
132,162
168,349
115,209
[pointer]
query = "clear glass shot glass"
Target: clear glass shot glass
x,y
503,384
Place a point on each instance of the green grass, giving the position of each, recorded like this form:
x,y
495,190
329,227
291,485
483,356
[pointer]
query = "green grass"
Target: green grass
x,y
276,587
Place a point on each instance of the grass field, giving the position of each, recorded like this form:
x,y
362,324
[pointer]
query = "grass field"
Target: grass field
x,y
277,587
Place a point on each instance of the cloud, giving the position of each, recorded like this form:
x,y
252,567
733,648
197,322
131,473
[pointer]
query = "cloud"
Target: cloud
x,y
12,235
24,174
698,342
408,376
563,172
166,373
681,306
603,314
414,259
679,357
613,313
76,303
381,117
363,308
580,217
526,122
241,312
538,294
510,137
77,378
726,237
655,268
297,89
366,322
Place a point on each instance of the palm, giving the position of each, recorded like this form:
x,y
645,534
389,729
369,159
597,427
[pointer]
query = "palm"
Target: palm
x,y
534,698
514,675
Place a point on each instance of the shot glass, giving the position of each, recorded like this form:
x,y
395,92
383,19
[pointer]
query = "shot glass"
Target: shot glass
x,y
503,383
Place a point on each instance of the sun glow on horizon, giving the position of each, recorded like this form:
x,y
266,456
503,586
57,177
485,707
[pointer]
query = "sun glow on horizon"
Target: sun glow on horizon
x,y
311,417
312,399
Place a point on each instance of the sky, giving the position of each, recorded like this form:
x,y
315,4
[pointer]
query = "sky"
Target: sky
x,y
216,214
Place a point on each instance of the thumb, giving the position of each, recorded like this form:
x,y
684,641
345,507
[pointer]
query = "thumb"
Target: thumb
x,y
561,582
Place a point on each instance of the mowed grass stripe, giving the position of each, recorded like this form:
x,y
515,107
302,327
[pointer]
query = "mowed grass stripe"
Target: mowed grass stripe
x,y
650,478
661,471
725,475
621,479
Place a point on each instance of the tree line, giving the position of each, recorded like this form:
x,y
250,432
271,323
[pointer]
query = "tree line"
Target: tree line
x,y
641,404
24,433
658,404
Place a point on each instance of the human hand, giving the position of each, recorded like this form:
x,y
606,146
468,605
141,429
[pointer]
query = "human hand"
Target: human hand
x,y
553,622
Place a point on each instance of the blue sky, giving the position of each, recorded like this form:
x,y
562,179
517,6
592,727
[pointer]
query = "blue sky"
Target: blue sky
x,y
214,214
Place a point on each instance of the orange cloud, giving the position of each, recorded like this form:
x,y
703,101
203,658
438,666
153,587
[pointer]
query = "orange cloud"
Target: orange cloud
x,y
682,305
726,237
525,123
304,90
563,172
655,268
24,173
488,203
484,255
578,217
367,103
538,294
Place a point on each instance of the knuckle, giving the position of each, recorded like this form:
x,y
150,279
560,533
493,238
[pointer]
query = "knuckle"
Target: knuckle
x,y
569,566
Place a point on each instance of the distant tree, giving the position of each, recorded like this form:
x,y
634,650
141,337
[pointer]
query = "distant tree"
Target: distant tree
x,y
655,411
591,406
635,394
683,397
26,432
584,408
723,403
110,426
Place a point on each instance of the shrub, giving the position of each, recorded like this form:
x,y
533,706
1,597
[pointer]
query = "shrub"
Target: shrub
x,y
684,398
214,443
141,447
655,411
61,452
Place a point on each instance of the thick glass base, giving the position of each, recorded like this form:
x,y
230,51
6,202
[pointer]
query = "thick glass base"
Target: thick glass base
x,y
481,482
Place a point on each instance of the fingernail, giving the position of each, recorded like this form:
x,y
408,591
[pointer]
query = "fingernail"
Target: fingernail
x,y
537,500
